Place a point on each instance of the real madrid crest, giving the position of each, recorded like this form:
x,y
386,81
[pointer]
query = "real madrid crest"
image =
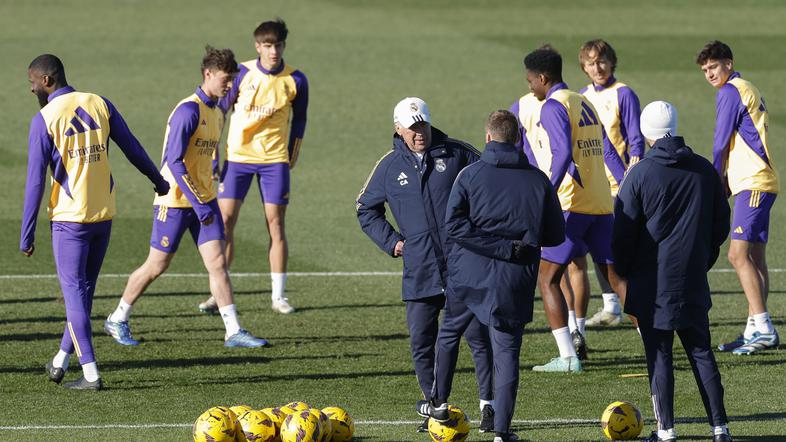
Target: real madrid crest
x,y
439,164
413,107
165,241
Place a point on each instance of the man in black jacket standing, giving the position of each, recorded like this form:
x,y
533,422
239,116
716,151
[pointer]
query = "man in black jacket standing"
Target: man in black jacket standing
x,y
670,219
414,179
500,213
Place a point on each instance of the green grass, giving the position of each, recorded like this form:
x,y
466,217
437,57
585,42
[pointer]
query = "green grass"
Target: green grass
x,y
348,344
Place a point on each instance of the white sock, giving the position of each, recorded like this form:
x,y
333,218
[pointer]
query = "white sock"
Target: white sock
x,y
121,313
611,303
750,328
564,342
484,402
90,371
279,281
638,330
580,323
229,316
667,434
720,429
572,320
763,323
61,360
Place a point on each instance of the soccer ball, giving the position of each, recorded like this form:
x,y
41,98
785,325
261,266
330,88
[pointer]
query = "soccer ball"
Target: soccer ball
x,y
217,424
256,426
455,429
240,409
294,407
302,426
621,421
326,429
278,419
341,423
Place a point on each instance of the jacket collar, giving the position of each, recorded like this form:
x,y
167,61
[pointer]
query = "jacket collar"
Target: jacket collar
x,y
504,155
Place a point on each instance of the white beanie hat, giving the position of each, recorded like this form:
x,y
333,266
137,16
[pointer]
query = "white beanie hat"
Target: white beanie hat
x,y
659,120
411,110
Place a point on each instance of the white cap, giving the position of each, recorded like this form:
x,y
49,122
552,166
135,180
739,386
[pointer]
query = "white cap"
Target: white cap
x,y
659,120
411,110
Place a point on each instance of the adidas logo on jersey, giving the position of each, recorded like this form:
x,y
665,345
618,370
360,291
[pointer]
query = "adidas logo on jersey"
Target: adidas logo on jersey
x,y
402,179
204,123
82,122
738,230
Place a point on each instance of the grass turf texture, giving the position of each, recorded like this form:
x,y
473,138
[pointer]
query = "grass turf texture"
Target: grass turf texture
x,y
348,344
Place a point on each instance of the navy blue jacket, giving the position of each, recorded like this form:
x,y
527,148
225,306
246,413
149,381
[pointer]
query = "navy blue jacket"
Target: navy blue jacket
x,y
670,219
417,196
495,202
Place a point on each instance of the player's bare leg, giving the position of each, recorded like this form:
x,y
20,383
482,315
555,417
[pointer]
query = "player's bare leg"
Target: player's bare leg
x,y
618,284
740,257
549,276
611,311
116,325
215,262
230,212
748,259
278,253
578,279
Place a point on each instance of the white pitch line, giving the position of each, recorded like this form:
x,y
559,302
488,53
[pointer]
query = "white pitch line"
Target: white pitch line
x,y
524,422
261,274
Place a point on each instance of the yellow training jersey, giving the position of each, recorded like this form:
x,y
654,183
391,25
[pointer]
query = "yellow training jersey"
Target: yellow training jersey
x,y
191,139
619,111
569,126
259,127
741,143
82,184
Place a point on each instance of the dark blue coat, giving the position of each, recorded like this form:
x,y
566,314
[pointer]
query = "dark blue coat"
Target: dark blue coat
x,y
670,219
417,196
494,202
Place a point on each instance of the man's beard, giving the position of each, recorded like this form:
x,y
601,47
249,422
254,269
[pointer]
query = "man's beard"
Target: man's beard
x,y
43,98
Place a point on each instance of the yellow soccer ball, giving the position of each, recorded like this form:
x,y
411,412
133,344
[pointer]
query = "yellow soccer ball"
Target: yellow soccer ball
x,y
256,426
455,429
294,407
302,426
621,421
326,429
217,424
278,419
341,423
240,409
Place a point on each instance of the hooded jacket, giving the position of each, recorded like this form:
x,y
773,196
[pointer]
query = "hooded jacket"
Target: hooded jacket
x,y
670,219
501,211
417,195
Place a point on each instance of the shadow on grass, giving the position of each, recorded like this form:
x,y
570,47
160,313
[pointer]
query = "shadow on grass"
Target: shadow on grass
x,y
153,294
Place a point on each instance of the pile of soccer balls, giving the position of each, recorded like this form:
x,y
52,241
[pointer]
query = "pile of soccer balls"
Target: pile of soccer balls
x,y
621,421
295,421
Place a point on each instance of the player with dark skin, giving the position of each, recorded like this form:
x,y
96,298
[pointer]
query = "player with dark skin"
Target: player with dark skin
x,y
549,273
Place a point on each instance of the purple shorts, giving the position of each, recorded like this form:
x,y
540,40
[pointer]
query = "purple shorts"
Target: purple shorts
x,y
583,233
751,219
273,181
170,223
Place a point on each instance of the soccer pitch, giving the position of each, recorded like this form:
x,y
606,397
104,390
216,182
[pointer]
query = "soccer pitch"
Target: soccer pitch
x,y
348,345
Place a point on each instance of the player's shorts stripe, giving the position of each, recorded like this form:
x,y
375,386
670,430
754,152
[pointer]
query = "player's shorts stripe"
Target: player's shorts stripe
x,y
73,338
162,213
